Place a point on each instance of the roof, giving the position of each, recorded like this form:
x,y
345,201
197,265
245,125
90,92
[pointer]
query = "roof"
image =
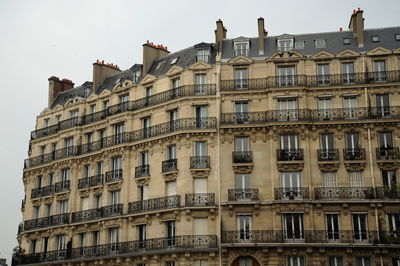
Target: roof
x,y
109,82
82,91
333,40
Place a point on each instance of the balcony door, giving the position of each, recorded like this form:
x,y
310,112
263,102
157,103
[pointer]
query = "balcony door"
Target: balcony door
x,y
242,112
394,224
119,132
244,227
113,238
242,187
116,163
332,226
286,76
335,261
200,226
360,228
170,226
200,149
350,105
201,116
144,192
69,144
389,179
348,76
62,206
379,70
287,109
84,203
241,78
291,183
115,198
171,188
386,140
295,261
327,147
173,117
200,185
383,105
289,145
146,126
329,179
363,261
293,226
201,83
352,141
241,144
325,108
142,235
323,74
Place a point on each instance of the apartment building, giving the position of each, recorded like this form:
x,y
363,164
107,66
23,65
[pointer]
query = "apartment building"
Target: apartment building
x,y
272,150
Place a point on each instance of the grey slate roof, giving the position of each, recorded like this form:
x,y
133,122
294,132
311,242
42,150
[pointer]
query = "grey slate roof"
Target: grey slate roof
x,y
333,40
81,91
109,82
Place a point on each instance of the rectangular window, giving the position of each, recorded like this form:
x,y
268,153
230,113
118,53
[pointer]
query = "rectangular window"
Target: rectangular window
x,y
385,140
295,261
203,55
113,236
363,261
200,226
285,44
329,179
200,263
379,70
360,227
142,235
144,158
92,108
58,118
242,112
176,83
50,179
287,109
97,201
61,245
33,246
335,261
74,113
146,126
99,168
200,148
115,197
332,226
286,76
171,188
293,226
323,77
350,107
299,45
291,185
96,238
82,240
242,144
289,141
244,227
69,145
173,119
346,41
352,140
170,227
65,175
241,78
320,43
39,181
200,84
242,183
62,206
48,210
171,152
200,185
149,93
46,122
45,241
116,163
143,192
170,263
348,75
106,103
389,179
394,224
355,179
325,108
119,133
327,142
241,48
84,203
36,212
383,105
124,98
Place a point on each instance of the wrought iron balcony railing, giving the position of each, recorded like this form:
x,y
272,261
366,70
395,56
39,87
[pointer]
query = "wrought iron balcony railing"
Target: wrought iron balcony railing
x,y
165,244
300,236
289,154
169,165
291,193
244,84
62,186
84,183
154,204
243,194
128,137
242,157
183,91
97,180
46,221
87,215
287,81
200,199
42,192
142,171
387,192
112,210
200,162
328,155
388,153
390,237
114,176
354,154
343,193
243,118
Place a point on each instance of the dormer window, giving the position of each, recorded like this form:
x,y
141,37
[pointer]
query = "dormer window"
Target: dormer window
x,y
299,45
346,41
159,66
117,80
397,37
174,60
375,38
241,48
285,44
203,55
320,43
136,75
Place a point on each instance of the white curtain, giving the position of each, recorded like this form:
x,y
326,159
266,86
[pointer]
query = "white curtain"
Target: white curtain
x,y
355,179
329,179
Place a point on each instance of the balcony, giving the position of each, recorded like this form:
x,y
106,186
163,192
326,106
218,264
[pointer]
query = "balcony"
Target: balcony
x,y
142,171
200,166
149,246
48,221
199,199
87,215
290,159
244,84
244,118
388,158
390,237
243,195
344,193
169,169
128,137
242,161
84,183
387,192
112,210
63,186
155,204
354,159
287,81
42,192
328,159
96,180
291,193
114,176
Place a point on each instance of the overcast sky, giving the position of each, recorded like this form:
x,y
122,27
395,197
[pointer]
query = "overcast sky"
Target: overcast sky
x,y
64,37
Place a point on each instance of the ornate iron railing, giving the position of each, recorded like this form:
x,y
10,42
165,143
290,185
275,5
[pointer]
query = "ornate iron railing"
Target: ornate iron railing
x,y
387,192
199,162
200,199
114,176
389,237
353,154
291,193
244,84
46,221
183,91
62,186
289,154
96,180
42,192
84,183
343,193
87,215
328,155
243,194
169,165
142,171
127,137
303,236
287,81
388,153
242,157
168,244
243,118
154,204
112,210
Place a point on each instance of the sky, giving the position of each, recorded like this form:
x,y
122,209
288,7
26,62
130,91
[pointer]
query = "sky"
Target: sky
x,y
42,38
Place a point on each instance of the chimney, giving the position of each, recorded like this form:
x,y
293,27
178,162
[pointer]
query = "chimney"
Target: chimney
x,y
101,71
356,25
261,35
152,52
220,34
56,86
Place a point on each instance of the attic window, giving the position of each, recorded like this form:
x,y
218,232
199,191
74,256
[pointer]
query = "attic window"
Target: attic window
x,y
375,38
285,44
136,75
117,80
346,41
397,36
320,43
86,92
174,60
299,45
159,65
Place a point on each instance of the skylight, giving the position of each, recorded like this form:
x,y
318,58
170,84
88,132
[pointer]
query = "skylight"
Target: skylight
x,y
174,60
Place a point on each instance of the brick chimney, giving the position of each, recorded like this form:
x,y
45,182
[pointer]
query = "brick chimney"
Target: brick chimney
x,y
220,34
356,25
261,35
56,86
101,71
152,52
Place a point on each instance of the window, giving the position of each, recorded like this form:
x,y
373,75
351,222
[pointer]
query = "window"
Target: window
x,y
285,44
241,112
320,43
96,238
36,212
82,240
242,144
200,226
146,121
123,102
99,168
325,108
89,137
375,38
335,261
176,83
144,158
346,41
170,227
329,179
291,185
92,108
45,241
243,187
171,188
149,93
332,226
86,171
383,105
58,118
287,109
299,45
105,104
113,237
289,142
348,76
136,75
143,192
171,152
69,145
245,261
350,107
142,235
293,226
84,203
201,116
241,78
352,140
244,227
170,263
46,122
396,261
97,201
159,65
174,60
50,179
48,210
323,77
65,175
62,206
200,263
327,147
203,55
286,76
119,133
115,199
33,246
39,181
61,245
295,261
355,179
74,113
360,227
363,261
379,70
200,148
200,187
241,48
200,84
394,224
173,117
389,179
